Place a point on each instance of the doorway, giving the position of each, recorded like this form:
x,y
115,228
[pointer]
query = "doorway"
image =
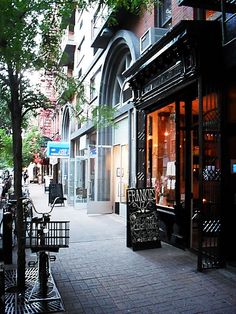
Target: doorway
x,y
81,182
120,178
189,167
200,162
172,168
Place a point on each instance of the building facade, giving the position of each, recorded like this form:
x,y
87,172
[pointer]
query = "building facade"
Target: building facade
x,y
174,123
184,91
99,170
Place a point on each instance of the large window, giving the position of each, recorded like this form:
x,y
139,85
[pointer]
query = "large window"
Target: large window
x,y
161,154
119,80
92,88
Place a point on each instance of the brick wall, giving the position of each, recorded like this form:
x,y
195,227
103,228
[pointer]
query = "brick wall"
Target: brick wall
x,y
146,21
139,25
180,13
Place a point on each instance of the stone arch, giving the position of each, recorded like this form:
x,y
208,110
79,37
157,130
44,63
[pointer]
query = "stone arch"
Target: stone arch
x,y
124,46
124,43
66,121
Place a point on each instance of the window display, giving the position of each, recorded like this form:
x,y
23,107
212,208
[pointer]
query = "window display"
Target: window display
x,y
161,154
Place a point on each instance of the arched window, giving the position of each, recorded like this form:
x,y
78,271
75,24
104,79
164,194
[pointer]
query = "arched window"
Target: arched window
x,y
123,51
66,125
118,80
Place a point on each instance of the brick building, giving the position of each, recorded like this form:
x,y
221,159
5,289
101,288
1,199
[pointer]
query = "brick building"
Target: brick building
x,y
184,94
162,72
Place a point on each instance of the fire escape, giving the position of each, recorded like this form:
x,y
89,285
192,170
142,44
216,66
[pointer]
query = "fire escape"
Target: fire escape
x,y
228,19
46,116
49,119
228,22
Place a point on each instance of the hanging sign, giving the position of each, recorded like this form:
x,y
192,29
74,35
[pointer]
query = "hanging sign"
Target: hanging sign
x,y
58,149
53,160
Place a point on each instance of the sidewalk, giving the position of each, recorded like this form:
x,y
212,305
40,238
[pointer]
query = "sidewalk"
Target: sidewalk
x,y
99,274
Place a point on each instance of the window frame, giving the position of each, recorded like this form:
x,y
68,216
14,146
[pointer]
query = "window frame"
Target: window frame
x,y
160,21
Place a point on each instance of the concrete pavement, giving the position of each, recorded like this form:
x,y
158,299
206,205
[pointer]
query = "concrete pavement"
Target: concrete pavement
x,y
99,274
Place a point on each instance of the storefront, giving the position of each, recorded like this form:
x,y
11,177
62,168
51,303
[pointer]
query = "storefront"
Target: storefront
x,y
178,102
81,170
120,166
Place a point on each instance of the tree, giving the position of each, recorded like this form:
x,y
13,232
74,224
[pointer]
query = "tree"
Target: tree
x,y
32,140
73,90
20,23
29,39
6,159
31,144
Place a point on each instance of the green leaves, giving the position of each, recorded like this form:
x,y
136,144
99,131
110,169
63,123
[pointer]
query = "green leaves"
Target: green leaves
x,y
31,145
6,159
73,94
18,24
103,116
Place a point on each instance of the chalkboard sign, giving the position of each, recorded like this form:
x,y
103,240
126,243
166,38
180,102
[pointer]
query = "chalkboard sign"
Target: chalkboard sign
x,y
142,219
55,190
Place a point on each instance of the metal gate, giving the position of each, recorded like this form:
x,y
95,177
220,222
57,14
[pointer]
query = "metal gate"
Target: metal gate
x,y
209,252
209,215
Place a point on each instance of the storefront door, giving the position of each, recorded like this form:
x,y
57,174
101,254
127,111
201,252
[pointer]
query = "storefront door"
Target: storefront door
x,y
120,178
173,168
189,167
81,182
69,180
200,164
99,179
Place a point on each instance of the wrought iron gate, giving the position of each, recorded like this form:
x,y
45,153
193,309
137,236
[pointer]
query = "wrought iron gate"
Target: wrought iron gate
x,y
209,215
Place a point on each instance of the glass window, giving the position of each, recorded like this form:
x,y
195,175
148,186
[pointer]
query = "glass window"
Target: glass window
x,y
92,88
119,91
121,173
161,154
164,14
103,175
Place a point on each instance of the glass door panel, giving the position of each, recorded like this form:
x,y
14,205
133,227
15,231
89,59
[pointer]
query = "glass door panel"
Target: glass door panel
x,y
116,172
71,180
161,154
81,180
189,165
120,171
64,174
124,173
102,192
104,174
91,179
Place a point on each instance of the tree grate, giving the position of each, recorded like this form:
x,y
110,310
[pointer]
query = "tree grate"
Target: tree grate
x,y
25,303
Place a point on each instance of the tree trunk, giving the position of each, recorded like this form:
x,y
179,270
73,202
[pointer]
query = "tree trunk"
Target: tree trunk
x,y
17,150
16,115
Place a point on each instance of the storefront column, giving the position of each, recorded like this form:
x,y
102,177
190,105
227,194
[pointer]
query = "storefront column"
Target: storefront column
x,y
141,150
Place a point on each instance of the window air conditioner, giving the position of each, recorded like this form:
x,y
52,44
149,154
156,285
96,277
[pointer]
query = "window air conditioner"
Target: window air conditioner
x,y
151,36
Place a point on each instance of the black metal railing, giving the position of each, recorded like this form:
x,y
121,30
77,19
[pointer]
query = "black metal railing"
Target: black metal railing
x,y
209,249
2,288
214,5
228,10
